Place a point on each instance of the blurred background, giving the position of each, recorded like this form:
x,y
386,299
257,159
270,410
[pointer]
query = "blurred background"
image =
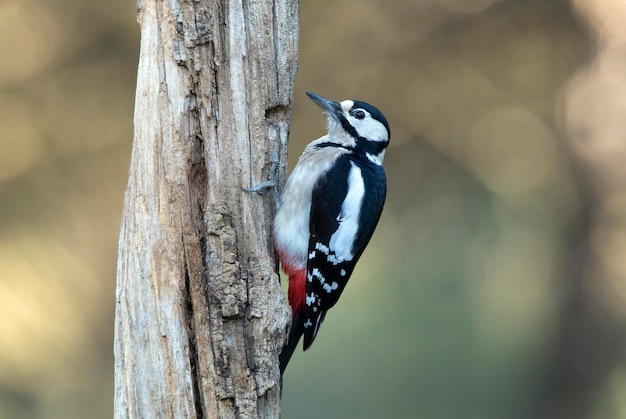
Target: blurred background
x,y
495,285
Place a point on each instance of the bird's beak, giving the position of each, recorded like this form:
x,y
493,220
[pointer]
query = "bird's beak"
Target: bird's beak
x,y
330,107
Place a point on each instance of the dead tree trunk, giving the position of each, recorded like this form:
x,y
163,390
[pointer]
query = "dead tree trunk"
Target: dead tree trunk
x,y
200,317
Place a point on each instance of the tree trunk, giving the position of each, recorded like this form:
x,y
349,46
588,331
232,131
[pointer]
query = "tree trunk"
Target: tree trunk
x,y
200,317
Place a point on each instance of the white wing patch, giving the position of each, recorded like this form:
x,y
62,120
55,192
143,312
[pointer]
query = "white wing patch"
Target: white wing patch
x,y
316,274
319,246
318,323
332,287
342,240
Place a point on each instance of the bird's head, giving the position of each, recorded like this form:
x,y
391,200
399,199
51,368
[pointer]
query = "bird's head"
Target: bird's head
x,y
352,121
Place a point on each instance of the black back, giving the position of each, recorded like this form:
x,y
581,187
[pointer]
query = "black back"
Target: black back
x,y
324,269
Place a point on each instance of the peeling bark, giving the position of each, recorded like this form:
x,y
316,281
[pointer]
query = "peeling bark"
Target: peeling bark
x,y
200,317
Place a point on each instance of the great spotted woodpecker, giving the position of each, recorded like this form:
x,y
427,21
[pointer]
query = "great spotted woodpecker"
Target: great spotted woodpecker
x,y
329,209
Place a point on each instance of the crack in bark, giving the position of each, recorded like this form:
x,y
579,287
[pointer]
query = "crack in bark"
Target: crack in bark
x,y
193,346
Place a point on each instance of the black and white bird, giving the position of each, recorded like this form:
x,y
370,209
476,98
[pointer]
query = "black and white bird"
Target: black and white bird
x,y
329,209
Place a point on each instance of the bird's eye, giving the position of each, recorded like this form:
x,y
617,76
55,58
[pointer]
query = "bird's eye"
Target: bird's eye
x,y
358,114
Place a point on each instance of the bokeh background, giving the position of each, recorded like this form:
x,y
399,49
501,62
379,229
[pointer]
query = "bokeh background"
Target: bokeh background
x,y
495,286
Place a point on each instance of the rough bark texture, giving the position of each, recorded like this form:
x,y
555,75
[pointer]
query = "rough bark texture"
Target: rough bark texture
x,y
200,317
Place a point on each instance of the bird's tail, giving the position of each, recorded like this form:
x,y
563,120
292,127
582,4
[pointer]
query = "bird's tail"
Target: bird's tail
x,y
297,328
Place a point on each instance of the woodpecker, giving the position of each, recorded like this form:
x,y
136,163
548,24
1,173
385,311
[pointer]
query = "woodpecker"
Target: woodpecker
x,y
329,209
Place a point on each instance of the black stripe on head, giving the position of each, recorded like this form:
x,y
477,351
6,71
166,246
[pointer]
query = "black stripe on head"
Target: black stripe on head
x,y
347,127
374,112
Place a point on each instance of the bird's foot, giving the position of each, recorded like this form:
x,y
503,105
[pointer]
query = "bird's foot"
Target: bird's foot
x,y
272,183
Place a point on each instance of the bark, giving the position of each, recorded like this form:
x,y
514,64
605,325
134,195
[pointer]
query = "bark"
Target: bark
x,y
200,317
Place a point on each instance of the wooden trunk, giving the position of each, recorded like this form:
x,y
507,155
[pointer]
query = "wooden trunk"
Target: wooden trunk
x,y
200,317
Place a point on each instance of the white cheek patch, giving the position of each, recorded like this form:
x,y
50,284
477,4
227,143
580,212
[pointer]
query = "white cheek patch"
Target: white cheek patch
x,y
372,130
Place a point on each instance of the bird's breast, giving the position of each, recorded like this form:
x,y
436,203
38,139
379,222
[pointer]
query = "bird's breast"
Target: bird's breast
x,y
291,224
